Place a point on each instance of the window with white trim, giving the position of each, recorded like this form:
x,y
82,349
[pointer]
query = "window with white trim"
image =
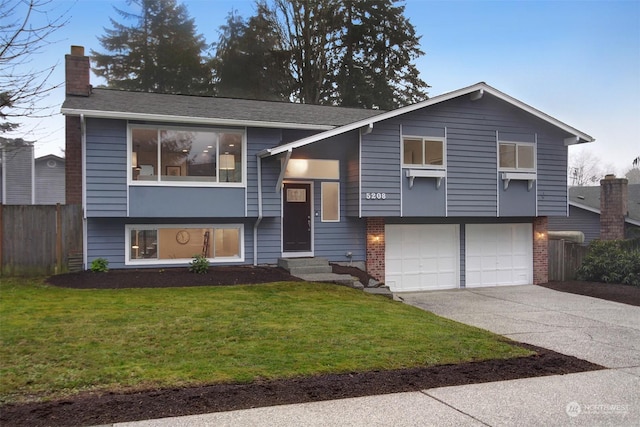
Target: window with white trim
x,y
517,156
423,152
330,201
178,244
185,156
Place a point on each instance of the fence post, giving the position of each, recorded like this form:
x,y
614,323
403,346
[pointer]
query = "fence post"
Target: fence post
x,y
1,237
58,238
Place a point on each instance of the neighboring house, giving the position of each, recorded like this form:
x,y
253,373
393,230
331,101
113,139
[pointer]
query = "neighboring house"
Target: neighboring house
x,y
28,181
49,180
16,177
450,192
585,211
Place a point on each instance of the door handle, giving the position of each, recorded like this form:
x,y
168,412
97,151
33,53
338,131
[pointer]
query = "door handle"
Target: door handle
x,y
309,223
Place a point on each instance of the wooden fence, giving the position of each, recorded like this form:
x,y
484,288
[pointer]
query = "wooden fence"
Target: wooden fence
x,y
565,258
39,239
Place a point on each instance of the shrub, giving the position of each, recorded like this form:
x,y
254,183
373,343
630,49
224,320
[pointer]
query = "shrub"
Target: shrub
x,y
99,265
611,262
199,265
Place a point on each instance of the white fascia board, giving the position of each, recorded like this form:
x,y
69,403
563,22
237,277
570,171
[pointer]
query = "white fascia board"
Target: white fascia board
x,y
580,136
190,120
584,207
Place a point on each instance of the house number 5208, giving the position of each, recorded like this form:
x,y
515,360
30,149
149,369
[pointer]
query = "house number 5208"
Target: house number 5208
x,y
375,196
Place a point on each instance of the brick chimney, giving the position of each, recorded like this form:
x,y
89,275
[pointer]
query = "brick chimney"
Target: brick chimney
x,y
613,207
77,69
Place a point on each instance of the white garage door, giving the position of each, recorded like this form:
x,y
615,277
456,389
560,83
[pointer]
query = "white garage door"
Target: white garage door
x,y
421,257
498,254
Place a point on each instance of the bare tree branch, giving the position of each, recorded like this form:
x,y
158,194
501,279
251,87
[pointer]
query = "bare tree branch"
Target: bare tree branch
x,y
26,29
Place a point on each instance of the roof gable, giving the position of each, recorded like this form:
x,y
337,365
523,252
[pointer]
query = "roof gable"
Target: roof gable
x,y
588,198
476,91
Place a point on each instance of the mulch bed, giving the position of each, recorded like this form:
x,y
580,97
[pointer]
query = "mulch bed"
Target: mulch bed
x,y
103,408
619,293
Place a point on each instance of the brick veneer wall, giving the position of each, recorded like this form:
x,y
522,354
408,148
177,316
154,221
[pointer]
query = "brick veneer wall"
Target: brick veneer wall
x,y
73,161
77,83
375,248
613,207
540,250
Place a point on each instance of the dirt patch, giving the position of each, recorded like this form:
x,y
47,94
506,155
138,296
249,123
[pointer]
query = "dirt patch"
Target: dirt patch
x,y
104,408
94,408
626,294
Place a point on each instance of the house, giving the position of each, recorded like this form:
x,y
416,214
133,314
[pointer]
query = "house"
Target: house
x,y
455,191
28,181
586,205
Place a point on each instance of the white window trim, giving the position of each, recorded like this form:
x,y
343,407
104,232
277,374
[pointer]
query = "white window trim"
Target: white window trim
x,y
160,183
517,169
322,184
178,261
423,166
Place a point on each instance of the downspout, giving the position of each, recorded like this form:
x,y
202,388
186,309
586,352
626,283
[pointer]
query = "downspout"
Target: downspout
x,y
259,220
83,161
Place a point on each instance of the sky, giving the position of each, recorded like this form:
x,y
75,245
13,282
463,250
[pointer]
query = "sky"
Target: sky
x,y
578,61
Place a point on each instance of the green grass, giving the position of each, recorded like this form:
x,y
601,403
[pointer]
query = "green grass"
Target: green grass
x,y
56,342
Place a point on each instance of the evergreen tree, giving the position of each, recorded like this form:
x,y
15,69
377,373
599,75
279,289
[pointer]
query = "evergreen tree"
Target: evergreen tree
x,y
375,68
161,52
249,61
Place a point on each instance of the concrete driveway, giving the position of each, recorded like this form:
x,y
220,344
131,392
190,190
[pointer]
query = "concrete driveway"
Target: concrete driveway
x,y
602,332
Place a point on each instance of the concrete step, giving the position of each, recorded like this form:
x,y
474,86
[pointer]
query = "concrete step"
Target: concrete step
x,y
310,269
343,279
288,263
382,290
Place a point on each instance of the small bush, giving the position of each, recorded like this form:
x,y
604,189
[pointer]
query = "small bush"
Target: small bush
x,y
611,262
99,265
199,265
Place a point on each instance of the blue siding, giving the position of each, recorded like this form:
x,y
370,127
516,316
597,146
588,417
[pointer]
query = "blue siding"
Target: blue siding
x,y
106,238
186,202
552,173
269,237
257,140
579,220
517,199
424,198
334,239
380,163
472,159
106,165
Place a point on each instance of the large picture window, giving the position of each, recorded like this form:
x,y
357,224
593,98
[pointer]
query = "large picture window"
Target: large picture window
x,y
517,156
160,244
423,152
185,155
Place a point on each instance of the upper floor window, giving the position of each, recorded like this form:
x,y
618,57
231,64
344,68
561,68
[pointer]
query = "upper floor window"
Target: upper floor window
x,y
517,156
423,152
185,155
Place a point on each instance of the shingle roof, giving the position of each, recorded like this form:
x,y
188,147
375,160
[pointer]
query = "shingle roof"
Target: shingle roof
x,y
200,109
590,197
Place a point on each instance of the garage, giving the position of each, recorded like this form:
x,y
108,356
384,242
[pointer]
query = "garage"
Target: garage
x,y
498,254
421,257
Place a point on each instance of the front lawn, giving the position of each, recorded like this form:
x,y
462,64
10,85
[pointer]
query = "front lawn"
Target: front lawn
x,y
56,342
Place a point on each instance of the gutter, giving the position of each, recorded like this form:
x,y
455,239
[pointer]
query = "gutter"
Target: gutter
x,y
83,150
259,220
103,114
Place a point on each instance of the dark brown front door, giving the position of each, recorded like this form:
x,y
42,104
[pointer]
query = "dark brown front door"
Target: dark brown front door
x,y
296,221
